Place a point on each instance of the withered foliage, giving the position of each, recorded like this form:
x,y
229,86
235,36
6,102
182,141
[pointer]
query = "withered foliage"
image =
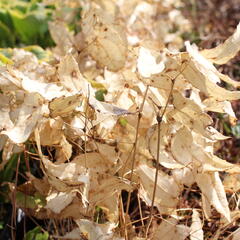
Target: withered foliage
x,y
149,132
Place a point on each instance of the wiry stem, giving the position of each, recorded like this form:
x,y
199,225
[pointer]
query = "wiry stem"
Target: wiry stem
x,y
135,148
159,120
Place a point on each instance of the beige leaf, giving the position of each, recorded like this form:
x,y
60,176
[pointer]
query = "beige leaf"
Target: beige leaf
x,y
61,36
170,230
215,135
147,64
26,118
5,120
9,80
57,201
106,40
48,91
95,231
213,190
236,234
68,172
167,190
213,105
210,162
63,151
196,227
224,52
70,75
51,131
74,234
95,161
64,106
190,114
166,157
203,79
181,146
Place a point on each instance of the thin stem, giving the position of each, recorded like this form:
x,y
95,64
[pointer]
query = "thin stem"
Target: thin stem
x,y
135,146
134,153
159,120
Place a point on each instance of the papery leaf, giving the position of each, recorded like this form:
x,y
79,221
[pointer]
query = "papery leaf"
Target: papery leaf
x,y
167,190
196,227
224,52
57,201
106,40
146,63
213,190
170,230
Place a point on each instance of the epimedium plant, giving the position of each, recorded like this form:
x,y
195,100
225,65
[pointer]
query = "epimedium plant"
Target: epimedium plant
x,y
116,111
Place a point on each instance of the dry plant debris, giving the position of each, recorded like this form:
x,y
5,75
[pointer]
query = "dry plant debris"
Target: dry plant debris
x,y
150,134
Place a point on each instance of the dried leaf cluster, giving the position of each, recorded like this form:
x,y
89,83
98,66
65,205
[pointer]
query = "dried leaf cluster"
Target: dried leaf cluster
x,y
149,132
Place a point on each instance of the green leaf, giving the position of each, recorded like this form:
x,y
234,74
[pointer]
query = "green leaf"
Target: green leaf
x,y
7,174
39,52
236,131
5,60
7,52
36,234
27,27
1,225
6,36
123,122
99,95
28,201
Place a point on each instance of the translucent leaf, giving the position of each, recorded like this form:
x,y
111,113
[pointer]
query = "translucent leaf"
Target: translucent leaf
x,y
27,116
57,201
236,234
200,76
95,231
64,106
70,75
170,230
182,149
213,190
167,190
166,157
61,36
196,227
146,63
224,52
213,105
106,39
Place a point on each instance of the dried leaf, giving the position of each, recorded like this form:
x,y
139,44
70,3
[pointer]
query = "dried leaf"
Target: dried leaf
x,y
224,52
70,75
26,119
167,190
61,36
147,64
106,40
200,76
95,231
57,201
64,106
213,190
196,227
170,230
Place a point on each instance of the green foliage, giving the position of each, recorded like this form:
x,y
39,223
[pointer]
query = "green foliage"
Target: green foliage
x,y
99,215
236,131
193,37
28,201
123,121
23,22
36,234
99,94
